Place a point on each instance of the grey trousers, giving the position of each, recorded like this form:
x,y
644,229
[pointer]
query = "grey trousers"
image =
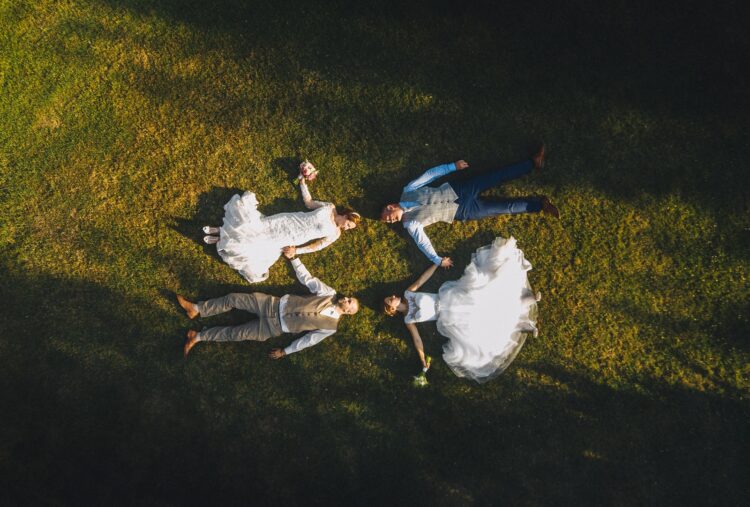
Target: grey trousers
x,y
266,326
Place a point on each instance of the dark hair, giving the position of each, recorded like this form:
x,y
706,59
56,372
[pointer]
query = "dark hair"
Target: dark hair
x,y
387,309
386,210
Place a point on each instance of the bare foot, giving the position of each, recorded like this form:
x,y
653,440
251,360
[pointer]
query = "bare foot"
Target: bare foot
x,y
192,339
190,308
549,208
538,159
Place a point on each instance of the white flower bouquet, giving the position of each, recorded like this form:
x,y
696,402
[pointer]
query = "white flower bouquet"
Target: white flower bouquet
x,y
307,172
421,379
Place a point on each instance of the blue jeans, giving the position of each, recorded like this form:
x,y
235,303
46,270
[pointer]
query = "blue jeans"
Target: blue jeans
x,y
471,207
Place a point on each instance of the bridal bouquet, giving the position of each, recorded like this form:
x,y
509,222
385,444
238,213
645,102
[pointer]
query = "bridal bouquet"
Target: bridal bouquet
x,y
307,172
421,379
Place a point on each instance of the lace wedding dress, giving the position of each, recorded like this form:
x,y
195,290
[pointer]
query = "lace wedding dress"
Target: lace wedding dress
x,y
485,315
251,242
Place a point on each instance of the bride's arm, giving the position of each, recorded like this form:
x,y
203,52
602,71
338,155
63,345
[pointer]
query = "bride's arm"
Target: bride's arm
x,y
319,244
422,279
417,343
310,203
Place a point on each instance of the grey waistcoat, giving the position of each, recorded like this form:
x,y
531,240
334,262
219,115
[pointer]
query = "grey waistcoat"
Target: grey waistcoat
x,y
436,204
302,313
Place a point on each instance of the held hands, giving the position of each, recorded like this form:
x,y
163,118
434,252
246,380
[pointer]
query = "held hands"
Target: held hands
x,y
289,252
461,164
276,353
446,263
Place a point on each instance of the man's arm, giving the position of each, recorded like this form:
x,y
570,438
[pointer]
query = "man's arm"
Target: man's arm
x,y
435,173
313,284
416,231
308,340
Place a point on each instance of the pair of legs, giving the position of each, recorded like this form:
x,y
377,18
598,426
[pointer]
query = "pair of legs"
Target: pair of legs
x,y
472,207
266,326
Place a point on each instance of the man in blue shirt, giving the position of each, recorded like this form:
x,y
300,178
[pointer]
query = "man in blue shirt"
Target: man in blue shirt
x,y
421,205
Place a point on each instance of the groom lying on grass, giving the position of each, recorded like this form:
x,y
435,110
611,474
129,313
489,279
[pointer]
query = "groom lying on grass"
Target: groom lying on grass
x,y
318,314
421,205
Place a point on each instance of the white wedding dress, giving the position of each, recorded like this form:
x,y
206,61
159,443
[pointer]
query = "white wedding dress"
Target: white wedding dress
x,y
485,315
251,242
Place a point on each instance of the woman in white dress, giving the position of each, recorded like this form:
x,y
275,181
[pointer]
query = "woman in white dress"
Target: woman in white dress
x,y
251,242
485,315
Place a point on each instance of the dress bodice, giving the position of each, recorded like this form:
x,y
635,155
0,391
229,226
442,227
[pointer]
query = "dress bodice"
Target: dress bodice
x,y
298,228
423,307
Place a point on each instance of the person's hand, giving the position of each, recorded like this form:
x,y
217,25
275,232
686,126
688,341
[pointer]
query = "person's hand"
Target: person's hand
x,y
426,364
276,353
289,252
461,164
446,263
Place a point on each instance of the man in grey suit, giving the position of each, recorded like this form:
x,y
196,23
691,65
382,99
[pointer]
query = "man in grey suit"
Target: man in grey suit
x,y
421,205
318,314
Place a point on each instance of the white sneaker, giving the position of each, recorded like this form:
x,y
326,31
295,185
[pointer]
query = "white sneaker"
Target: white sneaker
x,y
207,229
210,240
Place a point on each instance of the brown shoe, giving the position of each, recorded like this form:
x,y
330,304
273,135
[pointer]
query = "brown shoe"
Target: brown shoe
x,y
549,208
538,159
192,339
190,308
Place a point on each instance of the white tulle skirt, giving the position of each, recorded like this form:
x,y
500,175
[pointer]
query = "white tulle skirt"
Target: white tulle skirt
x,y
244,241
488,312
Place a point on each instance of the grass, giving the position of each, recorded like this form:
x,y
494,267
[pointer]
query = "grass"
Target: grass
x,y
126,125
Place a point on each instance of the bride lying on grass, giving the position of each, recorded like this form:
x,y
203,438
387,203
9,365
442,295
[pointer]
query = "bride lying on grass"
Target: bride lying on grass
x,y
251,242
485,315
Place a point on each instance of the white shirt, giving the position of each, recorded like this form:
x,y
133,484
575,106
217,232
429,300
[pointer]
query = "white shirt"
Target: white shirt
x,y
415,229
319,289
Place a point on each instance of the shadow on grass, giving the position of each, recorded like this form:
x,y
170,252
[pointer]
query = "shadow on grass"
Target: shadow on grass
x,y
209,211
626,94
290,165
100,407
595,45
85,372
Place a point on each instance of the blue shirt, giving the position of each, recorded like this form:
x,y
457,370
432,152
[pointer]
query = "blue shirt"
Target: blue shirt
x,y
415,229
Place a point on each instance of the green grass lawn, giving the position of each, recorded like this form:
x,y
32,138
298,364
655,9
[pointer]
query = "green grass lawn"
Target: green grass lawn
x,y
126,125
